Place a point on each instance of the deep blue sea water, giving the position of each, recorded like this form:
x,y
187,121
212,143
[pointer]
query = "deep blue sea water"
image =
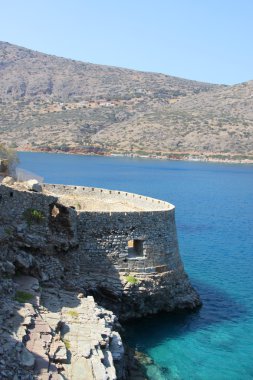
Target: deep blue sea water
x,y
214,214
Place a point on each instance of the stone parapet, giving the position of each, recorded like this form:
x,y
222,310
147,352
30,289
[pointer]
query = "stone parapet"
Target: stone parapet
x,y
104,200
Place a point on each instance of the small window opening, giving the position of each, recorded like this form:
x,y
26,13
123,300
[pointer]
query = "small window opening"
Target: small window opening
x,y
135,248
11,194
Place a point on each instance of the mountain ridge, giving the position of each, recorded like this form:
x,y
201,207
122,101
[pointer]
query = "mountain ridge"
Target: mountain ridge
x,y
24,49
54,103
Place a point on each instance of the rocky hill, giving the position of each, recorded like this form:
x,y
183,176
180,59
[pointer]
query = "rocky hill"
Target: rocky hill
x,y
53,103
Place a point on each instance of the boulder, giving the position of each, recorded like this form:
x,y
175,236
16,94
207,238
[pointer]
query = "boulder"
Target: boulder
x,y
8,268
58,350
61,354
27,360
33,185
116,346
23,260
8,181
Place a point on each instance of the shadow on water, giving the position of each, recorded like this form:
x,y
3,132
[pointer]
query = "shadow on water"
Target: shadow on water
x,y
218,308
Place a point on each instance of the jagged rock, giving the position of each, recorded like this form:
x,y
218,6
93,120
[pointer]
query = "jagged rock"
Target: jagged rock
x,y
8,181
27,359
85,350
21,228
2,233
61,354
6,374
19,347
33,185
98,369
103,344
116,346
23,260
44,276
111,367
27,321
58,351
8,268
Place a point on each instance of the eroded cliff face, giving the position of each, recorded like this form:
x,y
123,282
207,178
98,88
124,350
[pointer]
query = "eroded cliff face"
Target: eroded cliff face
x,y
128,261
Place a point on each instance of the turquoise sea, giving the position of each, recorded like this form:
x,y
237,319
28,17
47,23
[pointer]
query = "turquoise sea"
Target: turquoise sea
x,y
214,214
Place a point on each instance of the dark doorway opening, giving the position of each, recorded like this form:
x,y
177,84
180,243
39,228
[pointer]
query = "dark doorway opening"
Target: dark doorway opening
x,y
135,248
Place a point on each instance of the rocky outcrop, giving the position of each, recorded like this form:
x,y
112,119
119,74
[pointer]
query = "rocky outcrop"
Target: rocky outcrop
x,y
150,294
69,337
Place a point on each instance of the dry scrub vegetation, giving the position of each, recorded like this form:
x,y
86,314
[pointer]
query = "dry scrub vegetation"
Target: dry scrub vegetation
x,y
53,103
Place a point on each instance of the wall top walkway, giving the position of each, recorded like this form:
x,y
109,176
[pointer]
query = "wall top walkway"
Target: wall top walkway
x,y
104,200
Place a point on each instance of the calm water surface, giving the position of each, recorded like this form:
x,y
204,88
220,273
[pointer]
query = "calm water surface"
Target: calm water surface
x,y
214,213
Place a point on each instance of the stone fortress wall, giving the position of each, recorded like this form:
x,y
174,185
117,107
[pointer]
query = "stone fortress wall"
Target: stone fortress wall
x,y
92,239
141,239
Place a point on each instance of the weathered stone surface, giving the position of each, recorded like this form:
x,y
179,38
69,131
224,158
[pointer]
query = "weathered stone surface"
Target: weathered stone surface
x,y
58,351
61,354
8,181
27,359
8,268
23,260
64,334
83,327
117,348
33,185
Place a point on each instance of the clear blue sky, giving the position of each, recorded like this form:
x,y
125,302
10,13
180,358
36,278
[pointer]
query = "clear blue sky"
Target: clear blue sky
x,y
207,40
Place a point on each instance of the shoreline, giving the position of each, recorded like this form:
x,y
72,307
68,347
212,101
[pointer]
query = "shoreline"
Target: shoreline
x,y
173,156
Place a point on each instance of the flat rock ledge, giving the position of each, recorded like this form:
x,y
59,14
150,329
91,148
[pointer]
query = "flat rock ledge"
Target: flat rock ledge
x,y
56,335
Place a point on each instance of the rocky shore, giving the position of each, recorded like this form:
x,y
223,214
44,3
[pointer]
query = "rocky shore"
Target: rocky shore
x,y
225,158
56,334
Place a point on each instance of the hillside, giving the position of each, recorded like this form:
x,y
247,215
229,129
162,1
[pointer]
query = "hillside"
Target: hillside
x,y
53,103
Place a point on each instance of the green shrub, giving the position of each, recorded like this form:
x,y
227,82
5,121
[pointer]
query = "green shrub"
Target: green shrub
x,y
8,231
131,279
23,297
32,215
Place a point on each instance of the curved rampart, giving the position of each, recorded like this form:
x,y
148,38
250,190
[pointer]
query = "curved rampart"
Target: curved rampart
x,y
104,200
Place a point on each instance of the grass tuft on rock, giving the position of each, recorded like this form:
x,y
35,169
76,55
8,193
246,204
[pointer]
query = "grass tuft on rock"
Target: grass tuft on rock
x,y
32,215
23,297
67,343
73,313
132,279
